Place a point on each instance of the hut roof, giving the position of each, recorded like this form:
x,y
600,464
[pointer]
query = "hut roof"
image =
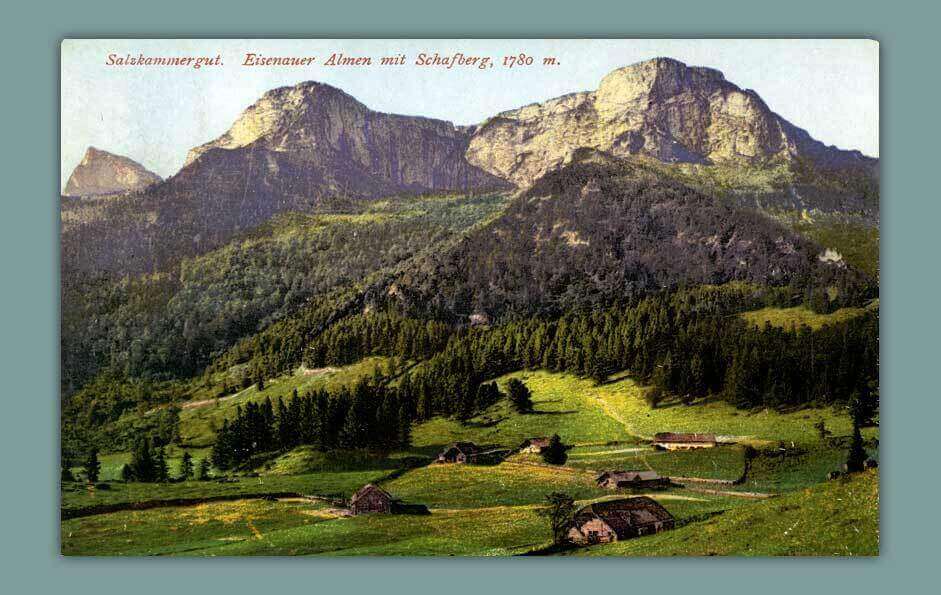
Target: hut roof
x,y
625,513
678,437
368,488
629,475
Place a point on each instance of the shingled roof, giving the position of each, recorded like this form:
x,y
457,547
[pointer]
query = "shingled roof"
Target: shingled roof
x,y
628,475
624,514
675,437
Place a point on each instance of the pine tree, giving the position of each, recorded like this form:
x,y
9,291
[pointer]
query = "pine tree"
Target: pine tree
x,y
186,466
142,462
202,471
856,459
92,465
161,471
405,426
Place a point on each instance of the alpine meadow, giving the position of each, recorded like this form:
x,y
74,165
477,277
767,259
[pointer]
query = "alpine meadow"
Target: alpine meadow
x,y
639,320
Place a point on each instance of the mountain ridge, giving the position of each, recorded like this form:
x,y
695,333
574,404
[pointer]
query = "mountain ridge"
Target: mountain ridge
x,y
101,173
659,108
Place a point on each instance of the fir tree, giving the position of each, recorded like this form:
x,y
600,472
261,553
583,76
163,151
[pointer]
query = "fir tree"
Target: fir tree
x,y
142,462
92,466
856,459
202,470
161,471
186,466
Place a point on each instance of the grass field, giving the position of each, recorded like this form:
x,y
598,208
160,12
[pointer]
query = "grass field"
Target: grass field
x,y
77,495
583,413
837,518
198,425
794,318
484,510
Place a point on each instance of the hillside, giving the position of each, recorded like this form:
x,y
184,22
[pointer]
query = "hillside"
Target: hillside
x,y
181,318
837,518
599,229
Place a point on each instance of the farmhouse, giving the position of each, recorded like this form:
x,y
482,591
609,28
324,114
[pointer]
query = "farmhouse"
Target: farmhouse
x,y
459,452
673,441
535,445
612,520
619,480
372,499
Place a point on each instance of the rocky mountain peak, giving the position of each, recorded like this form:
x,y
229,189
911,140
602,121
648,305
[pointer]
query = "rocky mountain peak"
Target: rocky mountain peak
x,y
350,148
659,108
101,173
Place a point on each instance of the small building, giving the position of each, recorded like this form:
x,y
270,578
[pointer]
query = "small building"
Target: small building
x,y
459,452
620,480
371,499
674,441
613,520
535,445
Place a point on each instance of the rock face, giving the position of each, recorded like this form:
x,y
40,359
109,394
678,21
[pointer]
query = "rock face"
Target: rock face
x,y
356,151
101,173
659,108
298,148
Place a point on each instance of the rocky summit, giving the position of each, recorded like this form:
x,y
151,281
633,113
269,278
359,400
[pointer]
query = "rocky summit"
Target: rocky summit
x,y
658,108
359,152
102,173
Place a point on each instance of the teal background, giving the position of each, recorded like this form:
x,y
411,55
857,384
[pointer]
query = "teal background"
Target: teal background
x,y
911,211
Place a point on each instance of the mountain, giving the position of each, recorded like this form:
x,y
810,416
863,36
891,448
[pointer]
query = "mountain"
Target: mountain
x,y
302,148
348,149
599,230
666,111
102,173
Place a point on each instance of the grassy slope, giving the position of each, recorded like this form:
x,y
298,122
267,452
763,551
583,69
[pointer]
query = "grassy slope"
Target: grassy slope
x,y
857,242
794,318
583,413
198,425
474,511
76,495
838,518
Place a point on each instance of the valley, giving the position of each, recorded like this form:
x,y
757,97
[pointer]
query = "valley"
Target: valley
x,y
337,331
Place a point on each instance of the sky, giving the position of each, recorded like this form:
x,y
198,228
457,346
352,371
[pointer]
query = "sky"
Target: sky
x,y
154,115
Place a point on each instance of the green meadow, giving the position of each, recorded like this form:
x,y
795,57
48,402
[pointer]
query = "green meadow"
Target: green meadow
x,y
492,509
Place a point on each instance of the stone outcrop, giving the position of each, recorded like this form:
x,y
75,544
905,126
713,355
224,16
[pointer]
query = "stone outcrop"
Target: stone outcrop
x,y
359,152
102,173
659,108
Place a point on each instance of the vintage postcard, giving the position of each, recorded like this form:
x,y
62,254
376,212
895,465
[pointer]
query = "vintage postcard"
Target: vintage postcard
x,y
470,297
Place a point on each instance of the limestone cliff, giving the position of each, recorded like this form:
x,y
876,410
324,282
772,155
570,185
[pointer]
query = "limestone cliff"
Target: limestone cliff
x,y
101,173
659,108
359,152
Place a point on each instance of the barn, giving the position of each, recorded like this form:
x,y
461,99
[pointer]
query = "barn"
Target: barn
x,y
613,520
371,498
619,480
675,441
459,452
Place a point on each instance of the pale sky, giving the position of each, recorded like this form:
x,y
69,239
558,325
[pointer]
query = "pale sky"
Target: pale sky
x,y
154,115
